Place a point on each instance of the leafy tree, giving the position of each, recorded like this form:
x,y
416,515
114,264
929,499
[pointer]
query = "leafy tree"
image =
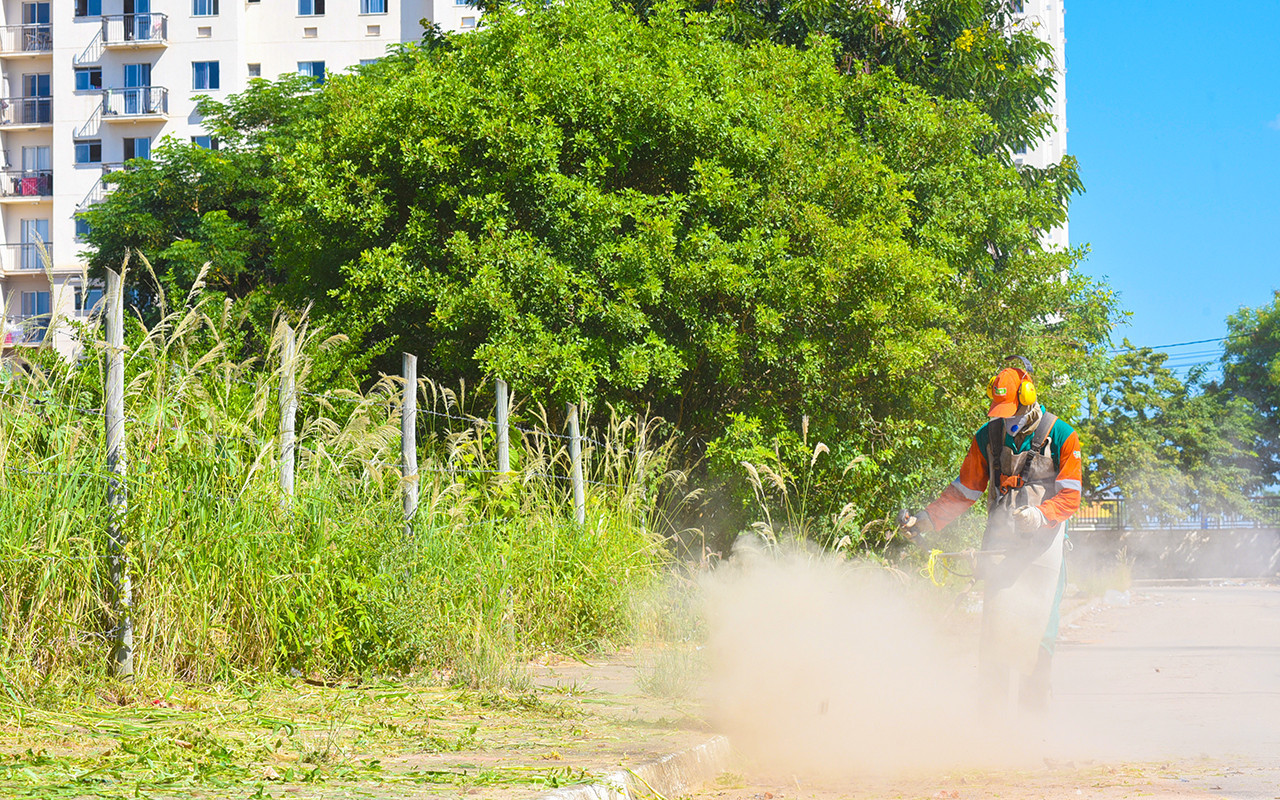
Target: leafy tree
x,y
644,212
188,205
1165,445
1251,370
650,213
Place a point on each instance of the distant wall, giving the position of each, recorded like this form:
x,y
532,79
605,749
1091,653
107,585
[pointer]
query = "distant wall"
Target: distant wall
x,y
1215,553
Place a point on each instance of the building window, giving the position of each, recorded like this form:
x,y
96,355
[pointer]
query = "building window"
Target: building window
x,y
89,151
88,8
204,75
310,8
255,70
468,22
364,62
86,299
312,69
137,148
35,304
373,6
204,8
205,141
82,233
88,78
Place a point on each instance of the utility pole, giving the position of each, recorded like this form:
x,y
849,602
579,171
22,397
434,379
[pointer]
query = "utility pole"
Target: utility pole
x,y
117,494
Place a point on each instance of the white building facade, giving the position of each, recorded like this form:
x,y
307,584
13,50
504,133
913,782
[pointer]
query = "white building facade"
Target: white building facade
x,y
86,85
1047,19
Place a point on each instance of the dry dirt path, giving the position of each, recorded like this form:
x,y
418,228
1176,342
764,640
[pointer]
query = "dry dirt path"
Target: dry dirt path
x,y
1171,692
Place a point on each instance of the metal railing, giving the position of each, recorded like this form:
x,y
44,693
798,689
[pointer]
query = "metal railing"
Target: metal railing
x,y
26,38
28,255
1117,515
136,102
26,111
100,188
26,183
134,29
26,329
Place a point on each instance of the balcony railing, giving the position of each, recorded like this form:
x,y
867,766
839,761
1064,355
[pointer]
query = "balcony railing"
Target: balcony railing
x,y
100,189
143,101
26,183
28,255
34,39
134,30
26,111
26,329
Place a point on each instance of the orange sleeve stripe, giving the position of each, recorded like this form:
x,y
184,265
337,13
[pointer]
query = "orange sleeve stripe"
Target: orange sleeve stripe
x,y
1066,502
962,493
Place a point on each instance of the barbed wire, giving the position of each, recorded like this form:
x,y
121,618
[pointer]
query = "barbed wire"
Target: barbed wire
x,y
52,402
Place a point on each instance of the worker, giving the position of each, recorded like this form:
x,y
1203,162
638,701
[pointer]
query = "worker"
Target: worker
x,y
1028,463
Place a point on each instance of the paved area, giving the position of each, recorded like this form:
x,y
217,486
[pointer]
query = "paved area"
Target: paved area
x,y
1168,691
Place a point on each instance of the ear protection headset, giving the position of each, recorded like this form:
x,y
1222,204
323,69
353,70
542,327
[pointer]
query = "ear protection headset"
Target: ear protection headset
x,y
1026,387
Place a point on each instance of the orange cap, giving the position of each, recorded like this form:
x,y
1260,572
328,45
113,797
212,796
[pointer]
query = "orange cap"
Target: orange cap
x,y
1004,392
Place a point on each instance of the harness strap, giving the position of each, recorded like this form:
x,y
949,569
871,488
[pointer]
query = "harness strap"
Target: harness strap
x,y
1004,483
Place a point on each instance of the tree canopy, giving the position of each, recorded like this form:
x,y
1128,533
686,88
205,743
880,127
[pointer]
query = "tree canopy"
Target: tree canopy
x,y
1168,445
1251,370
651,212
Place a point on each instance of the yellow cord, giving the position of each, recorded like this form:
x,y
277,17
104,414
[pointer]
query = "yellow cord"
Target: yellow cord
x,y
931,569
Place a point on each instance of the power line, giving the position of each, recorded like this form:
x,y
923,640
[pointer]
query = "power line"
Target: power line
x,y
1133,348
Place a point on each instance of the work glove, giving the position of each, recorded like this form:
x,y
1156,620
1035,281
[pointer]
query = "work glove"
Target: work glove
x,y
913,525
1028,519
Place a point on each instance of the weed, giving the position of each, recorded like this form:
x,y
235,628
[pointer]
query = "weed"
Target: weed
x,y
231,584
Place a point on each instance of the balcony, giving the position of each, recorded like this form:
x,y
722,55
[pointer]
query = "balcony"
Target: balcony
x,y
22,113
134,31
100,189
25,330
25,185
142,104
26,257
29,41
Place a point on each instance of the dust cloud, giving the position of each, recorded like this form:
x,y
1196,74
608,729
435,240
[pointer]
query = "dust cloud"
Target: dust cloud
x,y
829,668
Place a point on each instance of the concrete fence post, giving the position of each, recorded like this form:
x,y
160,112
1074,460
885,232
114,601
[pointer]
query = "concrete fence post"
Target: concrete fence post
x,y
288,407
504,434
409,439
117,492
575,466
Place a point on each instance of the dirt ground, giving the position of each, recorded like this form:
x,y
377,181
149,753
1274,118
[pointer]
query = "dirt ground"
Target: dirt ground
x,y
1168,691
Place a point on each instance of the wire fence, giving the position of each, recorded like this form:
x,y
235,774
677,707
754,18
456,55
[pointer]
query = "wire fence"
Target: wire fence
x,y
1120,515
280,448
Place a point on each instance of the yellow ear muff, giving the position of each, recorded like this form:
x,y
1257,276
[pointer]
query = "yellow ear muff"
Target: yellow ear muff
x,y
1027,392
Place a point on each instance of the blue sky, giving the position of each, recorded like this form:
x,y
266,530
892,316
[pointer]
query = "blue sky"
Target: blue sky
x,y
1174,113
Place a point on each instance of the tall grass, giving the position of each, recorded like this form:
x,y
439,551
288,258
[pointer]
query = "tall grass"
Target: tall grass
x,y
229,580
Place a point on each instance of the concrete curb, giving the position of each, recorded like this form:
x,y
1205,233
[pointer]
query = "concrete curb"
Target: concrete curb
x,y
661,778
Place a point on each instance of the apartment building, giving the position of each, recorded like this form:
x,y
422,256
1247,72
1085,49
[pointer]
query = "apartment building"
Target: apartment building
x,y
86,85
1047,19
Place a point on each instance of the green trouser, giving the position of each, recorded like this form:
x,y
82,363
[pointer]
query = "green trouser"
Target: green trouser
x,y
1051,632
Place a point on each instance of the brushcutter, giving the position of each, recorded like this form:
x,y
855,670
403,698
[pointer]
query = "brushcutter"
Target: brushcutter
x,y
940,558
